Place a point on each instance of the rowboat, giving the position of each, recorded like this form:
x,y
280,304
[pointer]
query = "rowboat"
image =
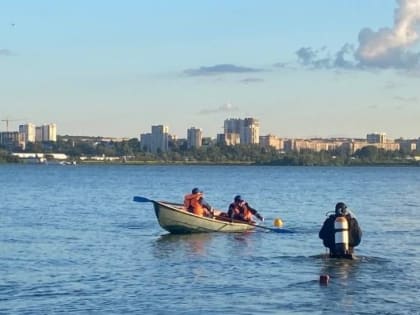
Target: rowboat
x,y
175,219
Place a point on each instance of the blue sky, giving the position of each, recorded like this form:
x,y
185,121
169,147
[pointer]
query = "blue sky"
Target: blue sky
x,y
303,68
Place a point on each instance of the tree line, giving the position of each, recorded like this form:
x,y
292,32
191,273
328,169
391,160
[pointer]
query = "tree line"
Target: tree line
x,y
131,151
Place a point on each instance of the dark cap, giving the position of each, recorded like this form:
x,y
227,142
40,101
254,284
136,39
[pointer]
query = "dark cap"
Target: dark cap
x,y
340,208
238,198
196,190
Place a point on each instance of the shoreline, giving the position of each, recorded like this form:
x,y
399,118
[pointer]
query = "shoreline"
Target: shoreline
x,y
229,163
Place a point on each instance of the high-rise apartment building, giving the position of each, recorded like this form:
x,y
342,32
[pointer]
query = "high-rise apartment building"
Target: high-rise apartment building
x,y
194,137
28,132
248,130
376,137
157,141
232,125
146,141
160,138
46,133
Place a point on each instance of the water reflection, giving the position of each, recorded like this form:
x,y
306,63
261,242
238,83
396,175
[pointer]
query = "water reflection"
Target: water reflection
x,y
207,245
342,281
241,244
339,269
186,244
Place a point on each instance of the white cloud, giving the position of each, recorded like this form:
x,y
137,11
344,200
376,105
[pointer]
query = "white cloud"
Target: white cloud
x,y
6,52
385,48
225,108
219,70
389,47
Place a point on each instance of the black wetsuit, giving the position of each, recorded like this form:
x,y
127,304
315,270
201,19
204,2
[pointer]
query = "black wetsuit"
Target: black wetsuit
x,y
327,235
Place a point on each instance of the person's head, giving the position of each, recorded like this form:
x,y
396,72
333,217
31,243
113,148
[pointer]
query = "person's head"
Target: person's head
x,y
238,198
340,208
196,190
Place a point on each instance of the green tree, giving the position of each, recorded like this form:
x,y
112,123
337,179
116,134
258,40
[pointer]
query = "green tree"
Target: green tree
x,y
367,154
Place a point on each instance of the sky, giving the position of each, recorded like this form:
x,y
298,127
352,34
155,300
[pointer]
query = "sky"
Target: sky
x,y
310,68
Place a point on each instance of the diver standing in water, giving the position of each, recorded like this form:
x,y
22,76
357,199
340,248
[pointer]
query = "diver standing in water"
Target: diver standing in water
x,y
341,232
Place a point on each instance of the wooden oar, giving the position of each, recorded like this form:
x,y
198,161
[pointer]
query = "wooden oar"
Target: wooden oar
x,y
277,230
144,199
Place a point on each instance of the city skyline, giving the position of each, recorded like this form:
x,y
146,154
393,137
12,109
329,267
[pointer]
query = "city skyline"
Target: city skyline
x,y
251,121
236,131
328,69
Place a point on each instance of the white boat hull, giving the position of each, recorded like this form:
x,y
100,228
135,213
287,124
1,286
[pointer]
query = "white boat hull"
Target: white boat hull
x,y
173,218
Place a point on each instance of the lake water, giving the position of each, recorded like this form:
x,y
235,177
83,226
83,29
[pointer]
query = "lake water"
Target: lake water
x,y
73,241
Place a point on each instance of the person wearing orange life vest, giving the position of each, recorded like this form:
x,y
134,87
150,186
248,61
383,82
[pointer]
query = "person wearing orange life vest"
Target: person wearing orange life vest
x,y
196,204
341,232
239,209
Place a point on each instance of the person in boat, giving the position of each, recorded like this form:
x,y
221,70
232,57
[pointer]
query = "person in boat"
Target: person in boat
x,y
341,232
196,204
239,209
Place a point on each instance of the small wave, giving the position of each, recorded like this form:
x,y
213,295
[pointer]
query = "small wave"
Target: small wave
x,y
411,205
356,258
133,226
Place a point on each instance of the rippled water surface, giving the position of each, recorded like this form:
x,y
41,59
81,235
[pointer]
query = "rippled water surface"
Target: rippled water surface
x,y
73,241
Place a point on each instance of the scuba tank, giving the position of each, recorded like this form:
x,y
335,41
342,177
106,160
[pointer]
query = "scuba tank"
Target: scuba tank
x,y
341,235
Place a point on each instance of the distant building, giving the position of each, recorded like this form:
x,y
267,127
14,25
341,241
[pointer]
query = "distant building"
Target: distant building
x,y
28,131
157,141
111,139
220,139
248,130
288,145
271,141
194,137
160,138
231,132
228,138
232,125
146,141
12,139
208,141
407,145
318,145
46,133
376,137
355,145
388,146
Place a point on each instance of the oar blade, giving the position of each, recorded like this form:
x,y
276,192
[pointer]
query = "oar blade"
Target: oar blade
x,y
141,199
275,230
281,230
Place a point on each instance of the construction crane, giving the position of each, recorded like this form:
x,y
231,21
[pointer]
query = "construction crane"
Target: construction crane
x,y
7,122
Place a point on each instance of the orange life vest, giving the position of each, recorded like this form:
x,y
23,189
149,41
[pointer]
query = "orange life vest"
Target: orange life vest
x,y
242,212
192,204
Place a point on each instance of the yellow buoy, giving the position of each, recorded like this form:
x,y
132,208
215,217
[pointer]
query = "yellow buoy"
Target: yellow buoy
x,y
278,222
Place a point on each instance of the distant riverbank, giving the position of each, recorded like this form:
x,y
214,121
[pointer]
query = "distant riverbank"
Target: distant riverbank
x,y
210,163
130,153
